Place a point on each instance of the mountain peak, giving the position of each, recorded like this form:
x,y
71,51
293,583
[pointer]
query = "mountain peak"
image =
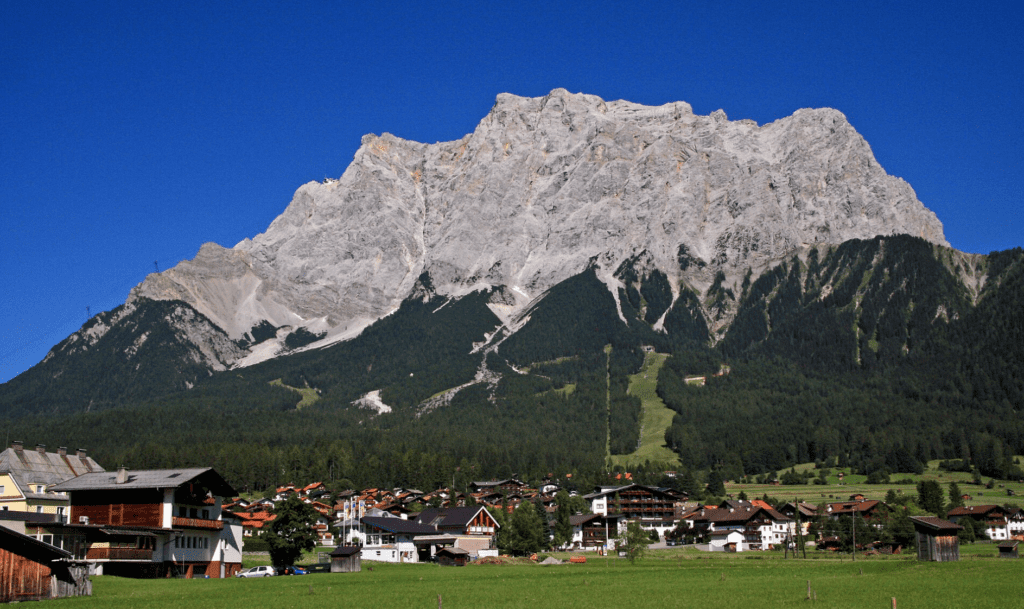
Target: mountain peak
x,y
540,188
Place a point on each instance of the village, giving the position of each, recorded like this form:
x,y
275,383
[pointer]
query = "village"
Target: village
x,y
63,518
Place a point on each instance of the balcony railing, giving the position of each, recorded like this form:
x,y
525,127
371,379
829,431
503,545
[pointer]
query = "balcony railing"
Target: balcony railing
x,y
197,523
118,554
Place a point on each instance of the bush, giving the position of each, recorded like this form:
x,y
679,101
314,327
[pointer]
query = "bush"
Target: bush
x,y
255,544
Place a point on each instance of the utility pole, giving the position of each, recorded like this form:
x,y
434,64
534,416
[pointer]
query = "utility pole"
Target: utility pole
x,y
853,525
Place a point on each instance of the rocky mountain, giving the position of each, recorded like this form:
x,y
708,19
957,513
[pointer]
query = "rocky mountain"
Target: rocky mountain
x,y
540,191
663,218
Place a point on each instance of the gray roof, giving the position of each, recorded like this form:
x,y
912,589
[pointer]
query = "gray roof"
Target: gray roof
x,y
149,478
31,467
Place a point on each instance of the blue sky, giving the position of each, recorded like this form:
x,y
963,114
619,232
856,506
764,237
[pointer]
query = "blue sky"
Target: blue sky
x,y
131,134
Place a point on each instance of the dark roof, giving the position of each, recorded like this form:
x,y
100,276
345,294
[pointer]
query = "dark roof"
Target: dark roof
x,y
345,551
578,519
619,489
32,517
975,510
737,515
935,524
397,525
493,483
449,517
1008,545
31,547
850,507
453,552
149,478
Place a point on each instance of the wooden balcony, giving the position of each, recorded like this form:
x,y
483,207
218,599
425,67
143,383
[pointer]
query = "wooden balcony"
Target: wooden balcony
x,y
118,554
197,523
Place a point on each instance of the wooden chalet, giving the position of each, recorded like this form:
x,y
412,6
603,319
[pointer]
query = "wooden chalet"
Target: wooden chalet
x,y
595,531
654,508
32,570
509,485
153,523
801,511
762,528
995,517
866,509
936,539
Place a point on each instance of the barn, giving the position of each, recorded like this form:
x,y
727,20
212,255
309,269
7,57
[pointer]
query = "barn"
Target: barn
x,y
31,570
452,557
346,559
1008,549
936,539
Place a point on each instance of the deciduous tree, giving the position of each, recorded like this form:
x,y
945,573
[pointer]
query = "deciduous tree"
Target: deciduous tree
x,y
291,531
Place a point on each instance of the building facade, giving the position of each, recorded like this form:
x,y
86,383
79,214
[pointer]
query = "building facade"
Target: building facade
x,y
152,523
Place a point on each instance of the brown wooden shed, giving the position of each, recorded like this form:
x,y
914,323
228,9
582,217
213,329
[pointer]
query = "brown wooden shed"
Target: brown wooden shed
x,y
346,559
1008,549
936,539
452,557
33,570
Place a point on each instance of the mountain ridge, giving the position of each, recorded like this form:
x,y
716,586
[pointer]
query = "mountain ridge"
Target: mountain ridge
x,y
537,191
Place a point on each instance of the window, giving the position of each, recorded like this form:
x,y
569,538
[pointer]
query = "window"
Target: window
x,y
182,511
39,509
40,488
1,489
193,513
206,514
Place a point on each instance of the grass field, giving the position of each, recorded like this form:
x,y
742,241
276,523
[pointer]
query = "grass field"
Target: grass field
x,y
309,395
656,417
669,578
853,484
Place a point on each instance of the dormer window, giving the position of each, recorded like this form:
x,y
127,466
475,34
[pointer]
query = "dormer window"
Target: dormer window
x,y
40,488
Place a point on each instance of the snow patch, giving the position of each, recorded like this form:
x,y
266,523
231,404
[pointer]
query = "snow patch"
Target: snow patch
x,y
372,400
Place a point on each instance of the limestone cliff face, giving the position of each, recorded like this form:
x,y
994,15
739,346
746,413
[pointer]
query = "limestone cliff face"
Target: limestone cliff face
x,y
541,189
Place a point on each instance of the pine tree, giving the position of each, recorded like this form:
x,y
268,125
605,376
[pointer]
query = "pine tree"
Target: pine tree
x,y
955,496
563,525
527,531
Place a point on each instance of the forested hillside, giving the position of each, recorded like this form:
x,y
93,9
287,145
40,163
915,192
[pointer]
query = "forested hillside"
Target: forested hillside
x,y
881,354
873,354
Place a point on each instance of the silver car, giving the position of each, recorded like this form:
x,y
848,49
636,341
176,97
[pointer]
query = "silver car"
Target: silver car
x,y
263,571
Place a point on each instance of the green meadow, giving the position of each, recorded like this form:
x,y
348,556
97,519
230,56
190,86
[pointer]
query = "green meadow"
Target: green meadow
x,y
667,578
906,483
656,418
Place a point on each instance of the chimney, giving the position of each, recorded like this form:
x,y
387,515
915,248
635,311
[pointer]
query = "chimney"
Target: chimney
x,y
17,446
80,453
41,449
62,451
122,475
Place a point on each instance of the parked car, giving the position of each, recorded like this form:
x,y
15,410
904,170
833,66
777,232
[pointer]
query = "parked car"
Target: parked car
x,y
320,567
291,570
261,571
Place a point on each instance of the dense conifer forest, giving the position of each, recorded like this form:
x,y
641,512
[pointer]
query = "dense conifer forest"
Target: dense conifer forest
x,y
881,354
